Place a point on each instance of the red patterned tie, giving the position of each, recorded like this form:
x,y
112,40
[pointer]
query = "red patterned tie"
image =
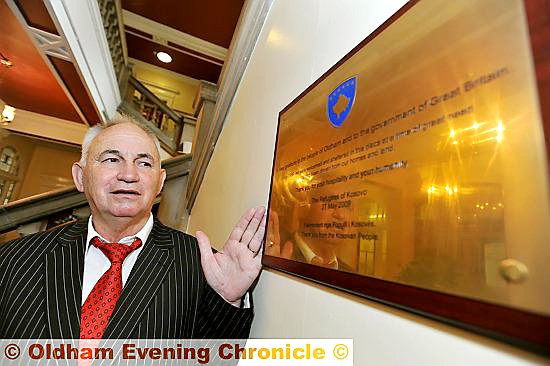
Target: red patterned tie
x,y
99,305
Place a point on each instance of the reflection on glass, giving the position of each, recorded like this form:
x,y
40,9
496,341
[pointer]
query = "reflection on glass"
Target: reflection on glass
x,y
439,172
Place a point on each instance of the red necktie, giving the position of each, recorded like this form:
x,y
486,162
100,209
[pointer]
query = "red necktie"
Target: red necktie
x,y
99,305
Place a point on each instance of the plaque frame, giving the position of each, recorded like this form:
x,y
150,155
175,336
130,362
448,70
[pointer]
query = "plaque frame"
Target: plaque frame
x,y
520,328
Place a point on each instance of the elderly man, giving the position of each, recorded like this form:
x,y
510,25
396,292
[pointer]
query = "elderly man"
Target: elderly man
x,y
304,227
123,274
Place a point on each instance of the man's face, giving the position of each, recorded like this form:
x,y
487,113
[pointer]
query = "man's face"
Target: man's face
x,y
336,213
122,175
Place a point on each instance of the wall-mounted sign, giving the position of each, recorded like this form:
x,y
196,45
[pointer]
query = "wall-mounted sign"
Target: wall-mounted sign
x,y
415,172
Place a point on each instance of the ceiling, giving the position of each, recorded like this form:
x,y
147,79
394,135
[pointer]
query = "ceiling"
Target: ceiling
x,y
196,33
30,83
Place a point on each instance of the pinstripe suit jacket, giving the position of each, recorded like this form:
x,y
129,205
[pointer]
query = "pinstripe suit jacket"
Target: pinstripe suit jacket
x,y
166,295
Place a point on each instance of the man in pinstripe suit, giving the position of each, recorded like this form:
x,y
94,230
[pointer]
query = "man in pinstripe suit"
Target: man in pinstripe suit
x,y
174,286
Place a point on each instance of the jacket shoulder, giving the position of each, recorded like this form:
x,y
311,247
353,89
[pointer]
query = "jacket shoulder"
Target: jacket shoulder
x,y
22,256
160,227
42,238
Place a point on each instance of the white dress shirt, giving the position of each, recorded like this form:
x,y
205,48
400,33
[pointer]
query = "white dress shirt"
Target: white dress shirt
x,y
96,263
310,256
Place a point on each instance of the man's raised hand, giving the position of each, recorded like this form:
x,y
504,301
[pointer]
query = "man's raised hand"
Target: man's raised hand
x,y
232,270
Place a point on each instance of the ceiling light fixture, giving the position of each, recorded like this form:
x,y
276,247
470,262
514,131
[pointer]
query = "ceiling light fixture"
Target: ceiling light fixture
x,y
8,114
164,57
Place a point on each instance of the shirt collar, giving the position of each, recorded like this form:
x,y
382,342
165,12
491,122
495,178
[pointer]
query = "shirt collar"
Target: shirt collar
x,y
309,255
143,234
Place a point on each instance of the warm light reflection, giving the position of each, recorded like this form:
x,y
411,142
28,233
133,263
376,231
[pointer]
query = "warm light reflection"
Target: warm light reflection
x,y
276,37
8,114
377,216
476,135
485,205
499,137
294,185
303,180
500,131
438,190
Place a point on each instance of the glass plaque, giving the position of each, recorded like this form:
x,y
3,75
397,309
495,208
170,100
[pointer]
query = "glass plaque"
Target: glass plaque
x,y
418,163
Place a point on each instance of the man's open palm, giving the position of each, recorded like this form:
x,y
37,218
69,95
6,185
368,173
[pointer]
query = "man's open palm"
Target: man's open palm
x,y
232,270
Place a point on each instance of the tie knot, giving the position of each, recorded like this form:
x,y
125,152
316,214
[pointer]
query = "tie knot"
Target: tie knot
x,y
114,251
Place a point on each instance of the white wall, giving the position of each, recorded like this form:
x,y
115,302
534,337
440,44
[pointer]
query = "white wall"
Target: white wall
x,y
300,40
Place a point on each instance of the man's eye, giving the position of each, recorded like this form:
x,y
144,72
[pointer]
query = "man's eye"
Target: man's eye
x,y
145,164
110,160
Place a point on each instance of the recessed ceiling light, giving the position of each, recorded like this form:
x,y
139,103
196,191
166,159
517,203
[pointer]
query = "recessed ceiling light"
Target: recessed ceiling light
x,y
164,57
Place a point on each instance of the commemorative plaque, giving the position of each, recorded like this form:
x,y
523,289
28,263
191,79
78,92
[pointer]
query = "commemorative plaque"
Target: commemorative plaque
x,y
415,171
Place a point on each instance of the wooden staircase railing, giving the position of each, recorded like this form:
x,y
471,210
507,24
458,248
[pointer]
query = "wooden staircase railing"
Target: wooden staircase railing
x,y
60,207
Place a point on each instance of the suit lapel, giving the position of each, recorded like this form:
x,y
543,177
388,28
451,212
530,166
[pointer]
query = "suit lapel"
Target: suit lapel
x,y
146,278
64,270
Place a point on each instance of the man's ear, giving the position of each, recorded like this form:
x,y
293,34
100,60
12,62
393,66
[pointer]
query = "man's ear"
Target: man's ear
x,y
162,179
78,176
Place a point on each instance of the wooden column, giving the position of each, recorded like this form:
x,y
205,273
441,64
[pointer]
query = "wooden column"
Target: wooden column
x,y
204,104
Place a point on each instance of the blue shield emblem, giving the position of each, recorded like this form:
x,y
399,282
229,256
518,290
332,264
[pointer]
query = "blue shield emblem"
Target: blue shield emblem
x,y
340,102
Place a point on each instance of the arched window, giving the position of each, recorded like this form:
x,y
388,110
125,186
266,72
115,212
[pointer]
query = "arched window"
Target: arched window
x,y
9,168
9,160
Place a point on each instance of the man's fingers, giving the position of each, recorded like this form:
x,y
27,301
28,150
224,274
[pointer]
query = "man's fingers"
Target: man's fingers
x,y
273,236
287,250
241,226
253,225
259,254
256,241
205,248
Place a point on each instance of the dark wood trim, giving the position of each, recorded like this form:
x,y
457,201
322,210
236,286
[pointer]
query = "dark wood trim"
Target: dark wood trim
x,y
139,32
39,206
46,139
152,97
68,73
520,328
538,16
165,141
195,53
178,166
36,15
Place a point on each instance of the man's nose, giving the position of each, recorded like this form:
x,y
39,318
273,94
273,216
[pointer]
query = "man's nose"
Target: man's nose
x,y
341,213
338,214
128,172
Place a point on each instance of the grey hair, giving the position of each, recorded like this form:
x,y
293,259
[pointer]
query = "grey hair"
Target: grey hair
x,y
92,133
